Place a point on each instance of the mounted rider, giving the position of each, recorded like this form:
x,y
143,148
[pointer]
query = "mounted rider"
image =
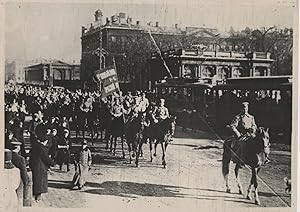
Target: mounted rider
x,y
161,112
243,125
244,128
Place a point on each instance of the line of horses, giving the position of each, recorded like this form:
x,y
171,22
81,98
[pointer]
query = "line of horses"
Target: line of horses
x,y
136,131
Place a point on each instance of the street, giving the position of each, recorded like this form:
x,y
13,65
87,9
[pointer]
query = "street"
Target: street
x,y
192,178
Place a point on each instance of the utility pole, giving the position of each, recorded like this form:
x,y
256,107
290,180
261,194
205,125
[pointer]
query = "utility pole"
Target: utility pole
x,y
100,52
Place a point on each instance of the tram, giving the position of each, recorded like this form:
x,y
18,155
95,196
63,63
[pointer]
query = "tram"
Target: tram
x,y
270,100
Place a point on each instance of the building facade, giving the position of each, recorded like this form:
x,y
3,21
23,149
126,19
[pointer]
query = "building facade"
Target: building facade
x,y
129,45
53,73
215,65
14,70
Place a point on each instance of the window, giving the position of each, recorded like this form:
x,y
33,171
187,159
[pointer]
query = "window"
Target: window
x,y
113,39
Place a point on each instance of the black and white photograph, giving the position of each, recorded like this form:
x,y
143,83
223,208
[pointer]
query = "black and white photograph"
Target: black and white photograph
x,y
149,105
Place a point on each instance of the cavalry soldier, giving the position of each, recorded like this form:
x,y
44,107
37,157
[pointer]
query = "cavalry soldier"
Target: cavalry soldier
x,y
244,127
117,108
243,124
161,112
144,103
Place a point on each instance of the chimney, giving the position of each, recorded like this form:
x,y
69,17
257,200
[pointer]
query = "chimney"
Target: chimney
x,y
107,21
156,23
122,18
138,23
129,20
83,29
98,16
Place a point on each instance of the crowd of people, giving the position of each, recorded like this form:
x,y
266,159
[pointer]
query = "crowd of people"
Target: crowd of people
x,y
47,115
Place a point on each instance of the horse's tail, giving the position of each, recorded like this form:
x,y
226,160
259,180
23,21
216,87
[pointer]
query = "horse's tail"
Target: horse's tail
x,y
226,156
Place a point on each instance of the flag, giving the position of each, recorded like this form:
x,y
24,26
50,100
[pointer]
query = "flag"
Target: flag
x,y
109,79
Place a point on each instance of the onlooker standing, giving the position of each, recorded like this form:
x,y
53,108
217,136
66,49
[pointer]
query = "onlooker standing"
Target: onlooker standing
x,y
83,160
20,163
39,164
10,180
63,150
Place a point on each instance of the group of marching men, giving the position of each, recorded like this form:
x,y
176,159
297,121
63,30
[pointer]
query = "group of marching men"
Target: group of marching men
x,y
50,113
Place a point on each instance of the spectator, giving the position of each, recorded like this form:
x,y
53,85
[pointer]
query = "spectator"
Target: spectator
x,y
11,181
39,164
83,160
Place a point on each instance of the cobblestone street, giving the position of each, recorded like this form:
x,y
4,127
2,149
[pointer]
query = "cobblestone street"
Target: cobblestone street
x,y
193,177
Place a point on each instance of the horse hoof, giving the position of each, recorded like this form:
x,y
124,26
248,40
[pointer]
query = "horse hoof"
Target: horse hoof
x,y
228,190
165,166
151,160
249,197
137,165
241,192
257,202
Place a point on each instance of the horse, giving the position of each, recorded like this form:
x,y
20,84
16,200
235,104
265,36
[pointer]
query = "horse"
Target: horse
x,y
254,157
135,136
116,130
162,133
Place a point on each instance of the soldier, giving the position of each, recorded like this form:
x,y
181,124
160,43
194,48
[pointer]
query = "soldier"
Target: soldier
x,y
244,128
243,125
144,103
161,112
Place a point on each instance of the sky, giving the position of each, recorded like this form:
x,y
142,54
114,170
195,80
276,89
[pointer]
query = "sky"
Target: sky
x,y
53,30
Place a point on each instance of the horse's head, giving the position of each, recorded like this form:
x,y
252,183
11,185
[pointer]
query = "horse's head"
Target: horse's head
x,y
263,135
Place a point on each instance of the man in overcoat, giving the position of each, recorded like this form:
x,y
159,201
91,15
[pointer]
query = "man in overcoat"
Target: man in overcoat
x,y
39,163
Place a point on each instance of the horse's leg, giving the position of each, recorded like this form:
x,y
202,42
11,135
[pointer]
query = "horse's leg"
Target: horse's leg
x,y
150,145
111,143
254,174
225,164
139,149
163,154
236,171
155,146
115,145
123,151
107,141
129,150
249,192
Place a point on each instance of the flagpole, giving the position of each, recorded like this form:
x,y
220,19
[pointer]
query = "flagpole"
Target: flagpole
x,y
159,52
100,53
118,88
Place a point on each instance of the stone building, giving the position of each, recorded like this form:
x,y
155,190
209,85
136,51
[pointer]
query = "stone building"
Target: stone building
x,y
129,45
53,73
206,65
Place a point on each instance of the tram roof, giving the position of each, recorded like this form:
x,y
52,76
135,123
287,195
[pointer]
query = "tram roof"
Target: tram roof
x,y
185,85
270,82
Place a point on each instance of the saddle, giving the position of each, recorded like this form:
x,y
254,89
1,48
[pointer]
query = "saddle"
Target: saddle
x,y
237,147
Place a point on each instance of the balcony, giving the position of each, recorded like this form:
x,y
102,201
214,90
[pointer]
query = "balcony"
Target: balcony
x,y
215,54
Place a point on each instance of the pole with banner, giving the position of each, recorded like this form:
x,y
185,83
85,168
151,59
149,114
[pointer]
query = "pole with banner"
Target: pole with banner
x,y
114,61
109,79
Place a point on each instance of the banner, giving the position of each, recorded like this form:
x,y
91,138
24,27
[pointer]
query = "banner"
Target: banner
x,y
109,79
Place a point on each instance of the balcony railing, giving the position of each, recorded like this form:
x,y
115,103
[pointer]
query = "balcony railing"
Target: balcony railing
x,y
196,52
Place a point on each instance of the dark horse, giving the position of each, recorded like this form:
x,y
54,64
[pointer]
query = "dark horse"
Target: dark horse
x,y
162,133
135,136
116,130
254,156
